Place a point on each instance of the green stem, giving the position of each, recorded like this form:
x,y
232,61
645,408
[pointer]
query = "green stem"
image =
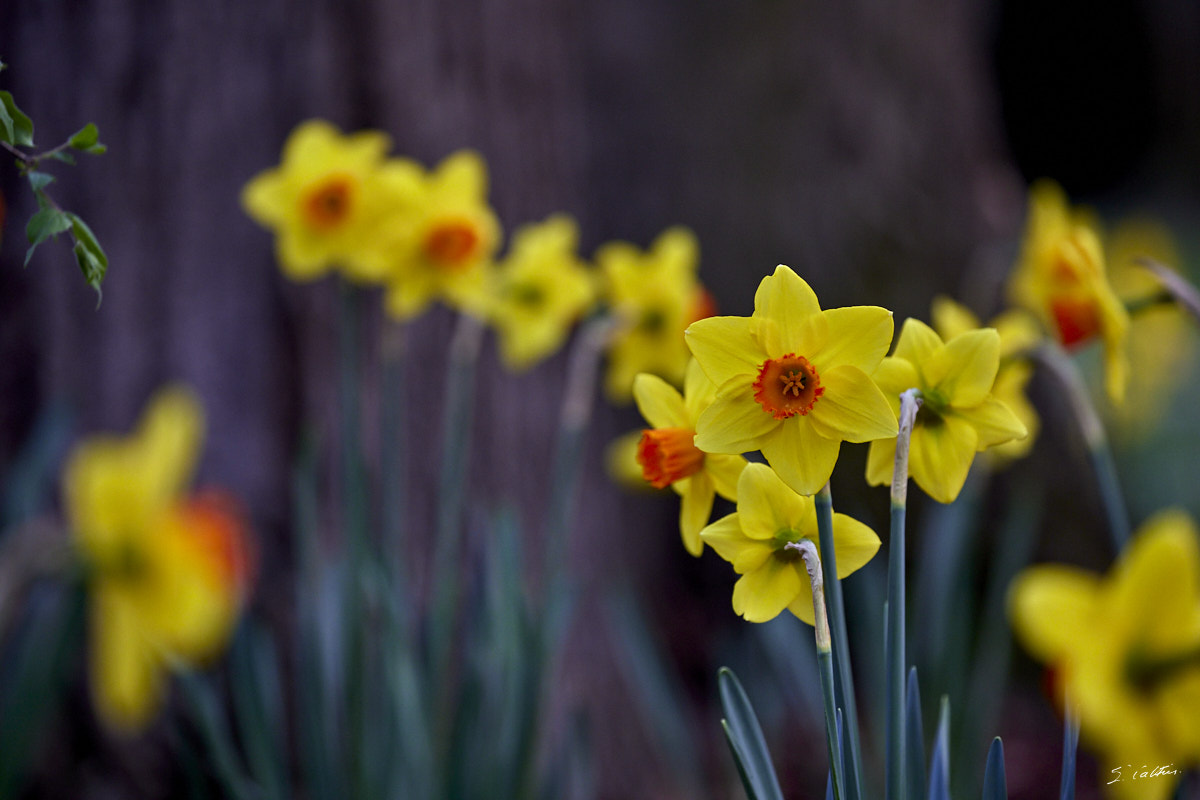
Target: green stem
x,y
1092,429
393,462
894,657
812,563
841,641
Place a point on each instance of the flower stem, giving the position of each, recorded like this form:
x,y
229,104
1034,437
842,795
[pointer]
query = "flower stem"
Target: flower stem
x,y
894,657
812,563
841,641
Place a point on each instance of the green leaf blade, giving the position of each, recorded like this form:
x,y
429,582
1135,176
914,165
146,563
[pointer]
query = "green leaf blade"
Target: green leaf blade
x,y
746,740
15,126
46,223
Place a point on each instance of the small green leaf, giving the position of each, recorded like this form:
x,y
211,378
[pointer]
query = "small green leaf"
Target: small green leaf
x,y
63,156
39,180
42,225
85,137
15,127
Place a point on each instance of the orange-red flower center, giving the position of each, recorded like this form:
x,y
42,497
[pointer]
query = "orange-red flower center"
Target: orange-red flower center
x,y
1077,319
667,455
221,536
787,386
452,243
326,206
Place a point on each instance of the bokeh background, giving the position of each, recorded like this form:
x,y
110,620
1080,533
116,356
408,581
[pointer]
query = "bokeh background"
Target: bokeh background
x,y
882,150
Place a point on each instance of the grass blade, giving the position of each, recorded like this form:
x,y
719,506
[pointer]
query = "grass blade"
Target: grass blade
x,y
746,740
995,784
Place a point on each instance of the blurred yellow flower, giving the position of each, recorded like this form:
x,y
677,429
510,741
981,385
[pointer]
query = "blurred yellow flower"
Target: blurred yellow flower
x,y
1018,334
668,457
754,539
793,380
1162,344
167,573
1125,650
655,295
442,247
1060,276
325,202
540,290
958,415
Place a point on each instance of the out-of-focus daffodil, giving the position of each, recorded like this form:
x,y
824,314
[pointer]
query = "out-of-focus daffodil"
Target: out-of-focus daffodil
x,y
1018,333
1162,344
755,540
1060,276
655,295
668,456
325,202
167,572
442,247
793,381
620,461
1125,650
958,415
540,290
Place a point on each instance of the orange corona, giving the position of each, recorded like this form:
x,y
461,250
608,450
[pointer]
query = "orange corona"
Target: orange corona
x,y
326,206
667,455
452,243
787,386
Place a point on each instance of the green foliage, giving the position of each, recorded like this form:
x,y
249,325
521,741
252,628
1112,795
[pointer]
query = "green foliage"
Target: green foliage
x,y
746,740
16,132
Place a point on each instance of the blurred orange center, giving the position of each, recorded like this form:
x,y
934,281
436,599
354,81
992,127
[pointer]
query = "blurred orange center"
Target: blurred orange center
x,y
219,533
1077,319
452,243
667,455
787,386
329,203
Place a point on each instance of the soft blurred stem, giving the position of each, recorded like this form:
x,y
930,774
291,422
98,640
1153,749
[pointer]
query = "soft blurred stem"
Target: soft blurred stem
x,y
812,563
894,657
1180,290
393,464
1058,362
841,641
456,440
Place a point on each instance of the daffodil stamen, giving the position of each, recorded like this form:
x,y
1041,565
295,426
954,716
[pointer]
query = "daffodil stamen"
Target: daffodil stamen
x,y
667,455
329,203
452,243
787,386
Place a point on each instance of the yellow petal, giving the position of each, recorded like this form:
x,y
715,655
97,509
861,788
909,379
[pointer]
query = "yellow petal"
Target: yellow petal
x,y
881,462
766,505
698,391
726,538
786,299
170,438
852,408
735,422
894,376
1051,606
859,336
951,318
659,402
761,594
302,256
994,422
965,369
724,470
695,507
463,173
724,347
803,458
264,198
126,669
1157,583
854,543
917,343
940,456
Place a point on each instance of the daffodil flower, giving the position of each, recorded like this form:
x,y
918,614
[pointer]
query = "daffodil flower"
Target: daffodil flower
x,y
793,380
540,290
958,416
755,539
167,572
655,295
1018,334
668,456
442,246
325,202
1125,651
1060,276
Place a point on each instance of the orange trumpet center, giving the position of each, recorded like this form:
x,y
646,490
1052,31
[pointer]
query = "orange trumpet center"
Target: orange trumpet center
x,y
667,455
1077,319
787,386
329,203
452,243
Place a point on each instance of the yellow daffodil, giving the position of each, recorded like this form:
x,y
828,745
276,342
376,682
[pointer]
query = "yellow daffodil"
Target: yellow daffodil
x,y
167,572
443,247
754,540
325,202
621,462
1060,276
669,458
793,380
540,290
1018,334
655,295
1125,650
1162,344
958,415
